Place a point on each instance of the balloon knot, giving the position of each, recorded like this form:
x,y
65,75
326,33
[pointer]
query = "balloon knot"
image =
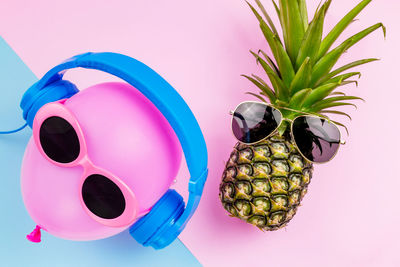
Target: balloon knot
x,y
35,236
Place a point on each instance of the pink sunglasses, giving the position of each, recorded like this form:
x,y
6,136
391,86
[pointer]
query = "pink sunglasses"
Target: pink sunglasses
x,y
59,138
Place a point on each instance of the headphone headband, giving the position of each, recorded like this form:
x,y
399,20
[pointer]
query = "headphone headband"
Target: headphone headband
x,y
162,95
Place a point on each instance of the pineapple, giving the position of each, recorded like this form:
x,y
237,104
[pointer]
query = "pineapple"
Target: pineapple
x,y
264,183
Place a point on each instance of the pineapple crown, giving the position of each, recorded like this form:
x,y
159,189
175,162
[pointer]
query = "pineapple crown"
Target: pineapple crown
x,y
302,78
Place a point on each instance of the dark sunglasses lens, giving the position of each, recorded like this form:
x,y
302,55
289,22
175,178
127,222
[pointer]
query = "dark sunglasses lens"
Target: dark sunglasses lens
x,y
59,140
103,197
317,139
254,121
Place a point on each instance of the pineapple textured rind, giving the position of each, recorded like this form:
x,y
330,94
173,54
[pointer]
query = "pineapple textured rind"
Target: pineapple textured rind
x,y
264,183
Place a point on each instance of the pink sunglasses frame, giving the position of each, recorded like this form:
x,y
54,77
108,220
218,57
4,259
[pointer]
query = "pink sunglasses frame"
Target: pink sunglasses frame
x,y
58,109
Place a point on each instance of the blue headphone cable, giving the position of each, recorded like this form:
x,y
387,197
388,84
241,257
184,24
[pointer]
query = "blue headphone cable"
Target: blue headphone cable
x,y
16,130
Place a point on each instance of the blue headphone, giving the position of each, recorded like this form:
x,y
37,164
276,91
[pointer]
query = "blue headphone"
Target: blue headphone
x,y
168,217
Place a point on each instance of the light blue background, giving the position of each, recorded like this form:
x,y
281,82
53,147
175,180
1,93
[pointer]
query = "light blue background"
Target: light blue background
x,y
15,223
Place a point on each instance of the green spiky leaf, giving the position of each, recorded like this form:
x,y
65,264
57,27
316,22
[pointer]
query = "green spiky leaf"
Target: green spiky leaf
x,y
316,114
271,63
321,106
320,93
285,66
343,77
302,78
281,91
337,93
269,92
357,37
263,87
326,63
344,68
336,112
262,82
312,38
340,27
257,96
277,10
303,13
327,6
338,98
280,103
292,28
280,55
268,18
298,98
349,82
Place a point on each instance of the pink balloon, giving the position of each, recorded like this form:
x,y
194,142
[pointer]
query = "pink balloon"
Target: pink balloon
x,y
126,135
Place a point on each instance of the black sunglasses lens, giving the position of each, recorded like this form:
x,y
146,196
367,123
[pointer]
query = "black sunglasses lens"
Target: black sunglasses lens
x,y
317,139
103,197
59,140
254,121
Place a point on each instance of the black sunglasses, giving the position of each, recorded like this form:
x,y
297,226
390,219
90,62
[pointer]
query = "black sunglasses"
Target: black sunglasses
x,y
316,138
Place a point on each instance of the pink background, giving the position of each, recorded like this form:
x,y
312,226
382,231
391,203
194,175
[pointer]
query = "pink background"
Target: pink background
x,y
350,216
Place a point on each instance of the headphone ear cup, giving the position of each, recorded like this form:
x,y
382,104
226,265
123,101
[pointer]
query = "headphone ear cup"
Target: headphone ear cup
x,y
154,229
32,102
